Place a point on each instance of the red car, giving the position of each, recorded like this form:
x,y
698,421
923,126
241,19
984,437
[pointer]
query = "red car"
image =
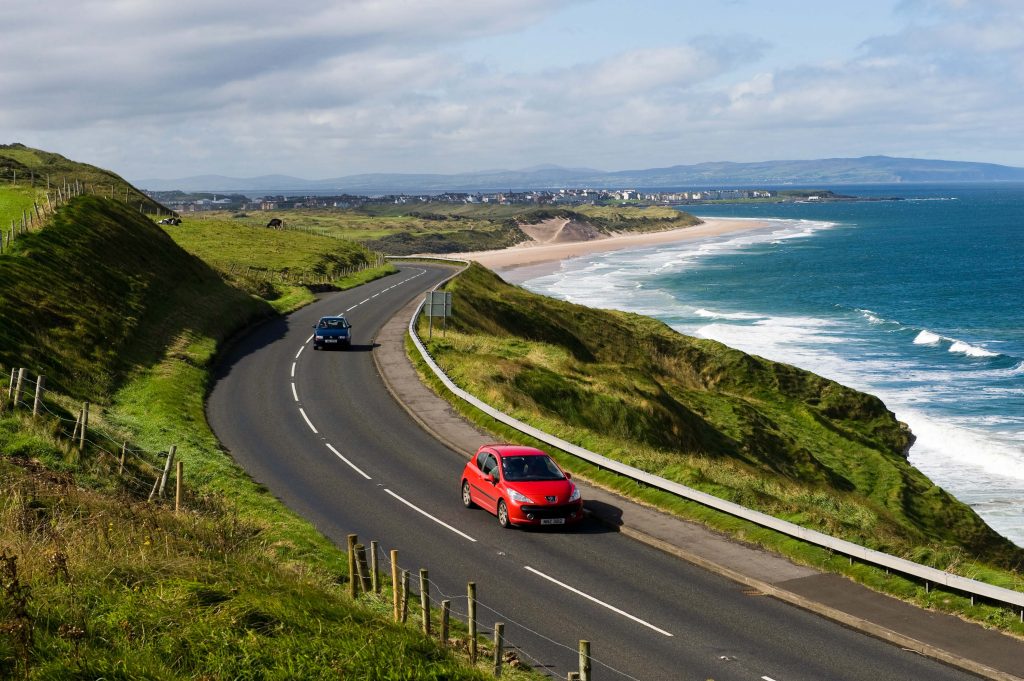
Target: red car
x,y
520,485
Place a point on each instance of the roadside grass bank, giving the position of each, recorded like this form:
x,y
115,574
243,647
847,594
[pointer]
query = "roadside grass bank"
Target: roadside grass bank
x,y
98,583
761,434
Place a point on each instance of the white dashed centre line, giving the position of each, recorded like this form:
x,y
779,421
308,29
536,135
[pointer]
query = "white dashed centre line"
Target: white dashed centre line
x,y
354,467
767,678
599,602
424,513
300,351
363,301
295,394
310,338
293,369
308,422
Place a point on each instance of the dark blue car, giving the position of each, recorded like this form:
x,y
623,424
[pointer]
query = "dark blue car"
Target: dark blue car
x,y
332,332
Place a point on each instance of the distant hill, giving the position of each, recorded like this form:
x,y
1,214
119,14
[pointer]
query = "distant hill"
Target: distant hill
x,y
832,171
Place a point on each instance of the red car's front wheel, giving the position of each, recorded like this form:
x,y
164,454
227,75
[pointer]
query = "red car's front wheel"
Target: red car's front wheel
x,y
503,514
467,499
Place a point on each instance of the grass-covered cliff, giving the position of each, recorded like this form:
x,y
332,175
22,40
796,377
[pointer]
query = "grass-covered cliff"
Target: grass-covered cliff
x,y
764,434
96,582
25,167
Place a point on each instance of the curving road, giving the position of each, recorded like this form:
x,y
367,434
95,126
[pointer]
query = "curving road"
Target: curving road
x,y
323,434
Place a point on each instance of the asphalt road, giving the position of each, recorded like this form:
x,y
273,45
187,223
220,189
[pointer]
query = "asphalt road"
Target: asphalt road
x,y
323,434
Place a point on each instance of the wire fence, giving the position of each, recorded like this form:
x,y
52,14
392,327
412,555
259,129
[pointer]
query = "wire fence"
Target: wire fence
x,y
132,463
301,277
141,469
47,201
511,649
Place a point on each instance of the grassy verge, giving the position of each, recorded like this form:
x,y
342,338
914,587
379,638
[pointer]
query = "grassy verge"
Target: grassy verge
x,y
766,436
98,583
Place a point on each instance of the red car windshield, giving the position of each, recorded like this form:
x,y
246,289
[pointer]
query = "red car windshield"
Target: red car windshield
x,y
530,468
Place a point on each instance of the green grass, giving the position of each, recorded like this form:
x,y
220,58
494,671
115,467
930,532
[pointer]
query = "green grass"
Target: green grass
x,y
437,227
235,587
46,169
274,263
762,434
13,201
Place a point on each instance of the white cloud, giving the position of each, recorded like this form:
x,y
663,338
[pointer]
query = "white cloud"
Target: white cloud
x,y
331,87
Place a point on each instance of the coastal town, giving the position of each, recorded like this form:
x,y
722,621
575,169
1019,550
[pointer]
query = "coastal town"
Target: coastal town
x,y
185,202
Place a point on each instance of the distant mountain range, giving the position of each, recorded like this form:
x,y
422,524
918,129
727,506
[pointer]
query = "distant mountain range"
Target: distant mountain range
x,y
831,171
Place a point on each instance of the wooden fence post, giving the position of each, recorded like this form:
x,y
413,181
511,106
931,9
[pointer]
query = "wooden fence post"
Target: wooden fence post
x,y
362,568
167,469
120,466
405,597
18,387
177,486
352,541
374,568
40,386
584,660
499,643
78,424
85,426
425,600
446,616
14,372
395,585
471,619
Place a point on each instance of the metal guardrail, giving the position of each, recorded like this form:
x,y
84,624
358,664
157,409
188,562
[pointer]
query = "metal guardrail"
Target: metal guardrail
x,y
929,574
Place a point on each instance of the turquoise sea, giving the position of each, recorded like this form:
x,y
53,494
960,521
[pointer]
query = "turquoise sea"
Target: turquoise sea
x,y
918,301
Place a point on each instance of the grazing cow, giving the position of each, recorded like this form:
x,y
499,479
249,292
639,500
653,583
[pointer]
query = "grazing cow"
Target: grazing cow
x,y
276,223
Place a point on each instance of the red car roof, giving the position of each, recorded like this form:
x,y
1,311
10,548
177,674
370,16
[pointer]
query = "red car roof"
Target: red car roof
x,y
515,450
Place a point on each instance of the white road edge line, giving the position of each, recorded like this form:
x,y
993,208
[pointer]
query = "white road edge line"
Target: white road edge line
x,y
436,520
295,394
300,351
599,602
308,422
351,465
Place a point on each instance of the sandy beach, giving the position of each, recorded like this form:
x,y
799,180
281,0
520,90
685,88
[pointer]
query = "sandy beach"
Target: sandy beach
x,y
534,258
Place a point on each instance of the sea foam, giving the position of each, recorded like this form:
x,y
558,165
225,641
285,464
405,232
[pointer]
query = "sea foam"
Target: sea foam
x,y
962,348
927,338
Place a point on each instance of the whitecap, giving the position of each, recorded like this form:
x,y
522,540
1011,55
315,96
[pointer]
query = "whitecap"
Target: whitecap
x,y
962,348
871,316
927,338
711,314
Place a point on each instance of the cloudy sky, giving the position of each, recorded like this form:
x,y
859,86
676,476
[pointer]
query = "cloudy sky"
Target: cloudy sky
x,y
324,88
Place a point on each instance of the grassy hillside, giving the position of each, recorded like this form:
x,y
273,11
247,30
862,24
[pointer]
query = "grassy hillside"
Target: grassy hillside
x,y
268,262
39,169
100,292
94,581
763,434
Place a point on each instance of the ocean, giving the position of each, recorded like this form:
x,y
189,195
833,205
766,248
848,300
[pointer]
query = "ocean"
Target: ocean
x,y
917,301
